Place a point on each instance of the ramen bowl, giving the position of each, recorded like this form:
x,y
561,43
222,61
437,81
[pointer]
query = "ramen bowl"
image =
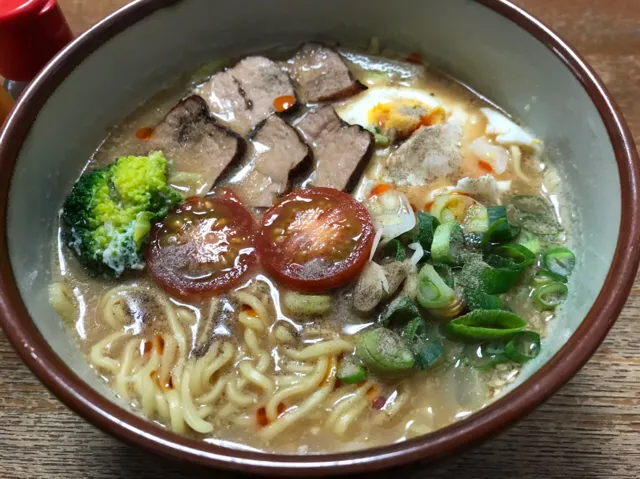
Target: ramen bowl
x,y
499,50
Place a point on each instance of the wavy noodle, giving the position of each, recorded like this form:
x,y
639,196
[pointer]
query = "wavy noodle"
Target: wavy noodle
x,y
227,383
325,348
294,415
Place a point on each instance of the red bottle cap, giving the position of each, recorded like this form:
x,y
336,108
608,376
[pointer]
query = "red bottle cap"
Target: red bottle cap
x,y
31,33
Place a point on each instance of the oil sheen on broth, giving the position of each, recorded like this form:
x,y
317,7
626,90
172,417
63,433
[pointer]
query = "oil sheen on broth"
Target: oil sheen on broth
x,y
316,320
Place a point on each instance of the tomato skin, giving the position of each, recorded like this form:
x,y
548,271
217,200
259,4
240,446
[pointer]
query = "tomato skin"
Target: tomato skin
x,y
191,265
328,219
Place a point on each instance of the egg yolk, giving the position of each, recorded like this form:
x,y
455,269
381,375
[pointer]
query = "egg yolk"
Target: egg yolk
x,y
404,116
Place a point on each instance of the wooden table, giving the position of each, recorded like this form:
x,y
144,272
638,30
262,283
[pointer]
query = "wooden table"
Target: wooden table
x,y
591,429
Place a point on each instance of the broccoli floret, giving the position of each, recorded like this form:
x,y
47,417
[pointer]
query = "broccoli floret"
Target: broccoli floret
x,y
109,212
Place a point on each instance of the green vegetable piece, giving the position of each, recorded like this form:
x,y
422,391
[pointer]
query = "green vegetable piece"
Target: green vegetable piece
x,y
445,272
531,204
543,276
529,241
427,225
538,224
550,295
415,329
495,278
484,325
535,214
499,228
307,304
384,351
433,292
477,220
560,261
107,215
448,241
394,249
380,139
475,299
430,354
481,357
350,371
401,309
518,254
523,347
499,280
141,227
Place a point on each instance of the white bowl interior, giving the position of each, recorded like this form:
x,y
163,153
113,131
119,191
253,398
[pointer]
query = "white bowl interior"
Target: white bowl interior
x,y
473,43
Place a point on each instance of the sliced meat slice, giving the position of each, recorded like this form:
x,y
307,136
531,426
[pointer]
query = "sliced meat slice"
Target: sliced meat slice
x,y
340,151
429,153
273,153
245,95
196,143
320,74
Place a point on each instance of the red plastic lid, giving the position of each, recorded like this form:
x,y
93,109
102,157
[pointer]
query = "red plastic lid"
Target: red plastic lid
x,y
31,33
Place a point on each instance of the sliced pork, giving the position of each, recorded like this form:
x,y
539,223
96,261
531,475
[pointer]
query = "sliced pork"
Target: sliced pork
x,y
273,153
340,151
429,153
245,95
320,74
196,143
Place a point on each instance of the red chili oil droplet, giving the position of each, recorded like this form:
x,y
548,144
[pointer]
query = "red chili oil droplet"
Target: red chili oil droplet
x,y
144,133
261,416
484,166
281,409
283,103
415,58
379,402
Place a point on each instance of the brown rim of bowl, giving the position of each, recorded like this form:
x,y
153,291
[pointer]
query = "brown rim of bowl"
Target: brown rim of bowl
x,y
72,391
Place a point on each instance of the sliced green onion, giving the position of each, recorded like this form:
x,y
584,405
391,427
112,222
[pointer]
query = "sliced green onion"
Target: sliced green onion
x,y
495,278
550,296
447,243
473,240
499,228
400,310
517,253
477,220
485,325
444,207
560,261
475,299
429,354
384,351
445,272
535,214
433,292
427,225
531,204
529,241
479,357
499,280
523,347
307,304
350,372
543,276
394,249
538,224
416,328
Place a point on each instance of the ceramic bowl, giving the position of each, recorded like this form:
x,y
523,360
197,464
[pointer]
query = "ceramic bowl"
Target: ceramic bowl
x,y
493,46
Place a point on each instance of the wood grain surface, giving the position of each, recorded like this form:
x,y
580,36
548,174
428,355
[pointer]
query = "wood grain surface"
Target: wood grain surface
x,y
590,429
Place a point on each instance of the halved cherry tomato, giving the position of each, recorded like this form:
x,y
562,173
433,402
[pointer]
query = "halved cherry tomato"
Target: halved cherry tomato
x,y
315,239
202,247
